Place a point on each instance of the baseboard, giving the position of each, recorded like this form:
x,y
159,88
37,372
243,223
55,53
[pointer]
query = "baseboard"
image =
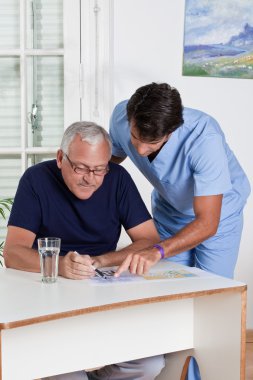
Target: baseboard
x,y
249,336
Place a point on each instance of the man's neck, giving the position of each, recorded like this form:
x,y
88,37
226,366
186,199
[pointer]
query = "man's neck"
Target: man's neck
x,y
153,155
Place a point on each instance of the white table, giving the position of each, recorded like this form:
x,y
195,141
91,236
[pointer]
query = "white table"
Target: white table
x,y
47,329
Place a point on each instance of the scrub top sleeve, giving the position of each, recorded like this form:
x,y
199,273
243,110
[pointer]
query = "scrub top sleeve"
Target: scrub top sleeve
x,y
209,164
117,149
26,209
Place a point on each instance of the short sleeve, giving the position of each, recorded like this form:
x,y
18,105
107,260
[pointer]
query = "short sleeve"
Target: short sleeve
x,y
115,124
26,209
209,164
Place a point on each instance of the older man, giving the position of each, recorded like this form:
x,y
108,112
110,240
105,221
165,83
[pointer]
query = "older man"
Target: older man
x,y
83,199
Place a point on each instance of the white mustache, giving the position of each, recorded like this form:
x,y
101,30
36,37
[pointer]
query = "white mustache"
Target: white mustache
x,y
85,184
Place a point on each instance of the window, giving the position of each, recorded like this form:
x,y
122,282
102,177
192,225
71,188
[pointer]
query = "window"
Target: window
x,y
39,82
54,70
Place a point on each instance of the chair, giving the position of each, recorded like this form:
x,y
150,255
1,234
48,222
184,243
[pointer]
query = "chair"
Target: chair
x,y
190,369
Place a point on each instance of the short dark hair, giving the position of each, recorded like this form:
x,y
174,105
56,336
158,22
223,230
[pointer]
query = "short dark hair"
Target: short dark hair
x,y
156,109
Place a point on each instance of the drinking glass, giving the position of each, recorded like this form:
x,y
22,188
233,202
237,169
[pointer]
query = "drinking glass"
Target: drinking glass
x,y
49,249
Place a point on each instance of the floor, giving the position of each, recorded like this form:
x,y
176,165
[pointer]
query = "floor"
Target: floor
x,y
249,361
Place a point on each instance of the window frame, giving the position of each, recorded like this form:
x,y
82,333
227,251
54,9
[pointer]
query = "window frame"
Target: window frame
x,y
71,57
96,72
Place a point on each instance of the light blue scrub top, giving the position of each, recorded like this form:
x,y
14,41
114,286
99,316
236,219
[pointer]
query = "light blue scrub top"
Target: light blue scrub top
x,y
195,161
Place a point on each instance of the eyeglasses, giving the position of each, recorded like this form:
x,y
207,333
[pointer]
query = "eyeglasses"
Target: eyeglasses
x,y
86,170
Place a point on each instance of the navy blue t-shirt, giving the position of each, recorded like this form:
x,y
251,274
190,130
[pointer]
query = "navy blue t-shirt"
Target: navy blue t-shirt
x,y
44,205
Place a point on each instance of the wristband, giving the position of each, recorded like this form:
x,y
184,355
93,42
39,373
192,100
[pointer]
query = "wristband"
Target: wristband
x,y
160,249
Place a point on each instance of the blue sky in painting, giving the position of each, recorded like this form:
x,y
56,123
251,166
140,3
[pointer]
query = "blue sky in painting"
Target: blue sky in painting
x,y
215,21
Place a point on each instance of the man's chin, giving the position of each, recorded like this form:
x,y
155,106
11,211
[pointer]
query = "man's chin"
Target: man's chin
x,y
145,154
84,194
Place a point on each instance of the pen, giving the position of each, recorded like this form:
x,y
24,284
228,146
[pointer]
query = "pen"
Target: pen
x,y
99,273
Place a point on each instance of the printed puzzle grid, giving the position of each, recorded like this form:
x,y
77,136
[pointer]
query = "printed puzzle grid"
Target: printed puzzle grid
x,y
169,274
127,277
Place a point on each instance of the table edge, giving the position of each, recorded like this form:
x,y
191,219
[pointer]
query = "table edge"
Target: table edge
x,y
117,305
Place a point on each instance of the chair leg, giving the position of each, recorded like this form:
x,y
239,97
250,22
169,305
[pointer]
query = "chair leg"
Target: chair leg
x,y
185,368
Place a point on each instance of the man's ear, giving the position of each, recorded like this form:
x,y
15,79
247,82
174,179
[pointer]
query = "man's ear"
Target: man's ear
x,y
168,136
59,158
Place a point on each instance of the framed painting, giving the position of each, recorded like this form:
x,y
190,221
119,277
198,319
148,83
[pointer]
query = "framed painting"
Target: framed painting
x,y
218,38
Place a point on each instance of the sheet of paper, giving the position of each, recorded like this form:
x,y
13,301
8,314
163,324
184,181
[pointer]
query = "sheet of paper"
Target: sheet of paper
x,y
109,273
169,274
155,275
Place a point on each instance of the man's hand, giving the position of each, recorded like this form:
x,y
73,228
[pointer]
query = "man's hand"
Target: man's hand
x,y
139,262
75,266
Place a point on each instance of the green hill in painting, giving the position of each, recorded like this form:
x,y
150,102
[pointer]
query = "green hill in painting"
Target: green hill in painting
x,y
233,60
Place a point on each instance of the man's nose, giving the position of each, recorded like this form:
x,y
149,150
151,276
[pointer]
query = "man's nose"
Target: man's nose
x,y
89,175
142,148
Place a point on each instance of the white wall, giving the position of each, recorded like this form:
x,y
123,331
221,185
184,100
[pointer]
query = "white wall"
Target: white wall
x,y
148,47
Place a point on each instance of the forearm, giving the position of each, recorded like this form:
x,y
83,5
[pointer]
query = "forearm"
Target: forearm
x,y
187,238
207,215
22,258
115,258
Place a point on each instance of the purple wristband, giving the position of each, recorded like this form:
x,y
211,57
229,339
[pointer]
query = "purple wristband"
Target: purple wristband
x,y
160,249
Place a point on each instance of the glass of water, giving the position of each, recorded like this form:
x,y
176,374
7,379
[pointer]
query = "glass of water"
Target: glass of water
x,y
49,249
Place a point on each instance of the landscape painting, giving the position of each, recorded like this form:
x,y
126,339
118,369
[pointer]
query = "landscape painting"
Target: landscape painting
x,y
218,39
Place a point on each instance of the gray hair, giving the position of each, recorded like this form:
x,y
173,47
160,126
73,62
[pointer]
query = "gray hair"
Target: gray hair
x,y
90,132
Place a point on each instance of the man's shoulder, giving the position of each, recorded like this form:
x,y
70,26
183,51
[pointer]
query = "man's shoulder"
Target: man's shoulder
x,y
200,121
118,177
119,126
121,106
118,170
120,111
41,169
190,115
